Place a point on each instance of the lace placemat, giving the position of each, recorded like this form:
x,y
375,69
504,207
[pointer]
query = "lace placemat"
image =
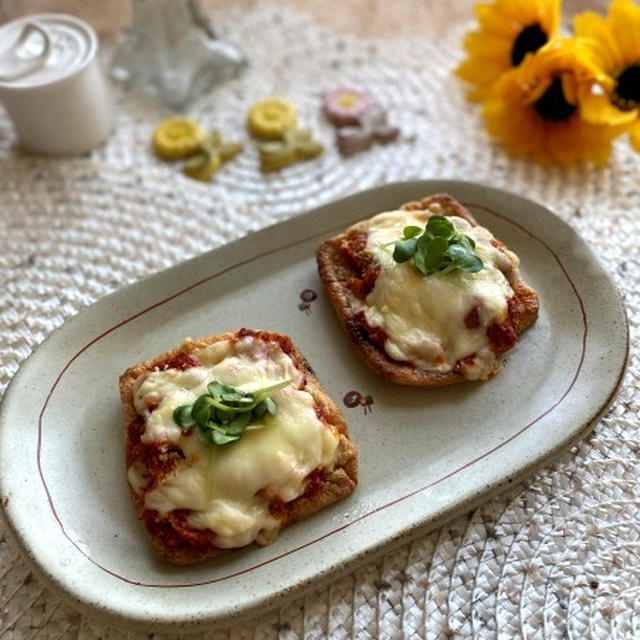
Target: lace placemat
x,y
557,556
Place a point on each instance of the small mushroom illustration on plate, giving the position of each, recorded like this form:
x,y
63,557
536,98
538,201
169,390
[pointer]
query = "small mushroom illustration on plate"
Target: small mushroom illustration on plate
x,y
356,399
307,296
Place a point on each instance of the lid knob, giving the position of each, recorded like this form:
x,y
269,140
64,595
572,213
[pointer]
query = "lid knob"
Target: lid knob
x,y
26,55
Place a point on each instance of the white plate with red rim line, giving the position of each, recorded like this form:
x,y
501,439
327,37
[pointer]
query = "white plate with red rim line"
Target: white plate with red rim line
x,y
425,455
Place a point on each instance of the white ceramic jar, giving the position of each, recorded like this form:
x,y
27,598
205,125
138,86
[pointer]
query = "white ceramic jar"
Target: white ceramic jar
x,y
51,84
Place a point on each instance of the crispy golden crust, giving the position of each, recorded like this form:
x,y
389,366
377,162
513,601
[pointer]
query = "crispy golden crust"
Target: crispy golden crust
x,y
168,536
336,271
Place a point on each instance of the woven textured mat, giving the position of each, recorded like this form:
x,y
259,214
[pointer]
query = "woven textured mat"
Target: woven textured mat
x,y
557,556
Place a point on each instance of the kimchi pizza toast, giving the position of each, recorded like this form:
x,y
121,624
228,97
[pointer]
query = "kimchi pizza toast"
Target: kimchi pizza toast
x,y
426,295
229,438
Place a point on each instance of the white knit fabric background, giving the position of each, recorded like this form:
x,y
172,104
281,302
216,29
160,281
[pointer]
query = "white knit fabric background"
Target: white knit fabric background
x,y
556,557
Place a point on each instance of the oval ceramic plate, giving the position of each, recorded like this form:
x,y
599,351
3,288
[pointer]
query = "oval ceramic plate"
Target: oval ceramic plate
x,y
425,455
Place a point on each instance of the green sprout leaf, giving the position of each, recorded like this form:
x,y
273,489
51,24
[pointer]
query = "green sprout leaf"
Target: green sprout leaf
x,y
224,413
201,410
404,249
439,247
440,226
271,406
411,232
224,438
182,416
260,409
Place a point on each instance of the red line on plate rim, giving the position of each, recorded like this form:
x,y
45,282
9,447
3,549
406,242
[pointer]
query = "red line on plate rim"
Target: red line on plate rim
x,y
363,516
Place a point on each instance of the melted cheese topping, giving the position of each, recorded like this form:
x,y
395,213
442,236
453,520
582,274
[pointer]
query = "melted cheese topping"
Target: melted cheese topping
x,y
424,316
228,488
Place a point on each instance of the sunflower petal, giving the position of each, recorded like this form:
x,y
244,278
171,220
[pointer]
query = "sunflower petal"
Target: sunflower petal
x,y
479,72
478,94
486,45
525,12
551,19
624,21
559,151
596,29
570,88
634,136
492,21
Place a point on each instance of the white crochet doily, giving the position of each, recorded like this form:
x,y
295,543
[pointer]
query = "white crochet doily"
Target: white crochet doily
x,y
559,555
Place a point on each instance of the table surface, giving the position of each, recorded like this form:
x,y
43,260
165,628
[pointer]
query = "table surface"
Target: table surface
x,y
559,554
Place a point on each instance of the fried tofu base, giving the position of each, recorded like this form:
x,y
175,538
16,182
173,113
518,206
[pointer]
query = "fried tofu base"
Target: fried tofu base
x,y
349,271
157,460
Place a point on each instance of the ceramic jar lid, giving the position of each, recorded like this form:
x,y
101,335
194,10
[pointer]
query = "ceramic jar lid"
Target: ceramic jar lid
x,y
52,86
41,49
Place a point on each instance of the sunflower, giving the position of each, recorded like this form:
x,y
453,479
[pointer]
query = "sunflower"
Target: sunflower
x,y
535,109
614,42
509,29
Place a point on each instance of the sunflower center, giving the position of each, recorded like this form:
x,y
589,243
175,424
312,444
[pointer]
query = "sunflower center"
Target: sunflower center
x,y
552,105
530,39
626,95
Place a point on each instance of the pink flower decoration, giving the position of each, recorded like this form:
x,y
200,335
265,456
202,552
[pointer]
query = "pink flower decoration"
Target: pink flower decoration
x,y
371,127
345,106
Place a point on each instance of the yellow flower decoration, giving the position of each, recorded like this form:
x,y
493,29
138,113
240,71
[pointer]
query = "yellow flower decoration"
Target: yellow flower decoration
x,y
535,109
177,137
509,29
269,118
614,42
